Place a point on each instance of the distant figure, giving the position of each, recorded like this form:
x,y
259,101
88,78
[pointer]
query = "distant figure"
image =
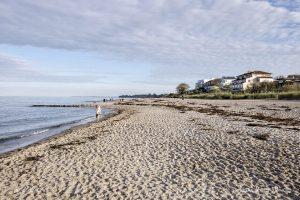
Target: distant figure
x,y
104,100
98,111
182,97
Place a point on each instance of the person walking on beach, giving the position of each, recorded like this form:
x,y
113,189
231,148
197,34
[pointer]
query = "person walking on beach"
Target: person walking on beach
x,y
98,111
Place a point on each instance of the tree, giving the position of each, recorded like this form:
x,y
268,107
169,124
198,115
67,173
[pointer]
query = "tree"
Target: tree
x,y
182,88
226,88
290,88
215,89
261,87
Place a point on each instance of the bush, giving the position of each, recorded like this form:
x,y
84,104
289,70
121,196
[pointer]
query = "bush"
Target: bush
x,y
265,96
226,88
239,96
172,95
225,95
215,89
262,87
289,95
290,88
270,95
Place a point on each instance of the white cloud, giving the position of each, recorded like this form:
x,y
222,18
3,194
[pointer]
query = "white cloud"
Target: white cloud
x,y
191,38
14,69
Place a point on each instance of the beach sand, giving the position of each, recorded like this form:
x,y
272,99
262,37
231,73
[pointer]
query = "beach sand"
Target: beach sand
x,y
166,149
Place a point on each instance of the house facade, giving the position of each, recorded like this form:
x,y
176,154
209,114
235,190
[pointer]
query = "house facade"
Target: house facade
x,y
200,84
226,80
243,81
293,79
212,84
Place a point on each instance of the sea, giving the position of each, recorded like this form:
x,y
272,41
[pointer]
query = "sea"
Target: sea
x,y
22,125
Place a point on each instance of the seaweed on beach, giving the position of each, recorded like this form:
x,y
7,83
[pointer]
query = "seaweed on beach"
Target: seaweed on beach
x,y
215,110
263,125
256,124
191,103
294,129
262,136
158,100
120,119
92,137
207,129
232,132
33,158
62,146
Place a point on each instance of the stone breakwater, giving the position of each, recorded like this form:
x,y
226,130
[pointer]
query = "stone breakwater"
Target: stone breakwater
x,y
168,149
63,106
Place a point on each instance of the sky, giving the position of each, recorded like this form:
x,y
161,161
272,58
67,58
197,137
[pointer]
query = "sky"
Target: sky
x,y
114,47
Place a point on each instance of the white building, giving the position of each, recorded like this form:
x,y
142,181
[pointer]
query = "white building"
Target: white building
x,y
212,84
200,83
293,79
243,81
226,80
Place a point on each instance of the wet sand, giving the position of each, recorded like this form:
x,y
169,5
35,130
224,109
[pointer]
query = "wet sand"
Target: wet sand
x,y
168,149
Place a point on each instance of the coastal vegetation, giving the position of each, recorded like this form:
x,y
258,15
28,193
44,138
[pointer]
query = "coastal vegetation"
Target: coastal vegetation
x,y
227,95
263,90
257,91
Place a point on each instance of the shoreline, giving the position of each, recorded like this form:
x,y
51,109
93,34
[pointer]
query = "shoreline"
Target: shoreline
x,y
113,113
166,148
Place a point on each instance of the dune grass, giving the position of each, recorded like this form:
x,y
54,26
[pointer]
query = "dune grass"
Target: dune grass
x,y
270,95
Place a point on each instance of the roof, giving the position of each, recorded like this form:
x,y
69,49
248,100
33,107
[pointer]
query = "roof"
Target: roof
x,y
293,76
213,81
228,77
256,72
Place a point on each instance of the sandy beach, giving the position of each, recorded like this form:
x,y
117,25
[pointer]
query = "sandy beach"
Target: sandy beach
x,y
166,149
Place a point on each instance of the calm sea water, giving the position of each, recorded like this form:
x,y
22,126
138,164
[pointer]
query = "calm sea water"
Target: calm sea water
x,y
21,125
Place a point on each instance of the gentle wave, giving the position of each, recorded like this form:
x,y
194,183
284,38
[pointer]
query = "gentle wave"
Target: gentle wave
x,y
29,133
15,137
39,132
24,121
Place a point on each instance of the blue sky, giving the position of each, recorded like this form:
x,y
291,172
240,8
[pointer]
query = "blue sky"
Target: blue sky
x,y
113,47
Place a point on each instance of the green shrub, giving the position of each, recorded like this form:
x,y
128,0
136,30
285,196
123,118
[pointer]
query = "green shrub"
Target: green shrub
x,y
264,96
290,88
269,95
289,95
239,96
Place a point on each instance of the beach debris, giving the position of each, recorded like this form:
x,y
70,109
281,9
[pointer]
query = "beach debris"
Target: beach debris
x,y
62,146
92,137
261,136
33,158
232,132
215,110
264,125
